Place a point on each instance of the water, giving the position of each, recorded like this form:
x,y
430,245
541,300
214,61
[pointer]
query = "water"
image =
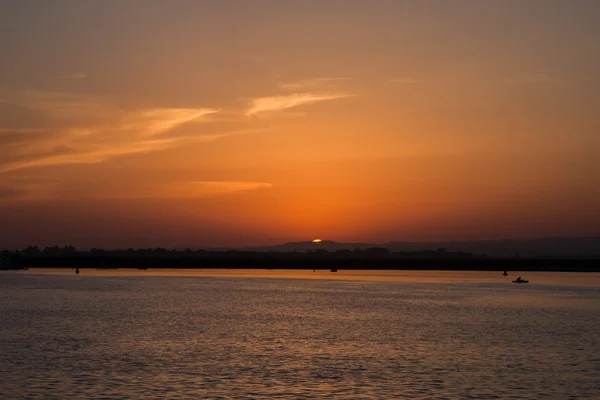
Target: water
x,y
265,334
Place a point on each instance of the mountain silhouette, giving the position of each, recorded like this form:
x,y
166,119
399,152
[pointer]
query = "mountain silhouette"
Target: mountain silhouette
x,y
587,246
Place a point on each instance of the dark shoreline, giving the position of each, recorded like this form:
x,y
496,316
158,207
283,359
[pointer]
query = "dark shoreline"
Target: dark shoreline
x,y
325,263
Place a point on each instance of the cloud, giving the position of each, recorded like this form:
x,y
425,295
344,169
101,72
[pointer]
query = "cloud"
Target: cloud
x,y
210,188
76,75
279,103
406,81
210,134
314,83
92,156
56,190
187,190
155,121
92,129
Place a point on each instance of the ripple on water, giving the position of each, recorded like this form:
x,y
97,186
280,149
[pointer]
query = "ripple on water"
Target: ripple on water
x,y
191,337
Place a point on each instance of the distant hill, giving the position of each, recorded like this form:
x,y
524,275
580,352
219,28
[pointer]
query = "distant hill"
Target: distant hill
x,y
588,246
305,246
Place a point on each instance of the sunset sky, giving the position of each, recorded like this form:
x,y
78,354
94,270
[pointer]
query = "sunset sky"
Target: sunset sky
x,y
233,123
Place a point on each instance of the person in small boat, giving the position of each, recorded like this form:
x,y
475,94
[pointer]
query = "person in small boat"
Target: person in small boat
x,y
77,271
519,279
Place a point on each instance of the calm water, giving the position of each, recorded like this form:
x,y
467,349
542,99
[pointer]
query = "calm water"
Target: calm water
x,y
263,334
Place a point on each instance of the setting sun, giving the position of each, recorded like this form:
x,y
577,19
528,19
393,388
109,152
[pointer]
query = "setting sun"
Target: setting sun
x,y
317,241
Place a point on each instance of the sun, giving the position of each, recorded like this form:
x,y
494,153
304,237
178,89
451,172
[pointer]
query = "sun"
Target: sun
x,y
317,241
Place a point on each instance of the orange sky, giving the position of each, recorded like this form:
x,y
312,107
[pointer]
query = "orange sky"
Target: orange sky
x,y
197,123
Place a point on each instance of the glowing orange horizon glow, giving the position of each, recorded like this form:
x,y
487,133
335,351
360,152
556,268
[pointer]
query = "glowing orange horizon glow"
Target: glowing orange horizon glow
x,y
470,131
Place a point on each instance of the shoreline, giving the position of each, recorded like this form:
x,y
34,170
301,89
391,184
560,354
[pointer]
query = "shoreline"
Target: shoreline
x,y
406,276
328,263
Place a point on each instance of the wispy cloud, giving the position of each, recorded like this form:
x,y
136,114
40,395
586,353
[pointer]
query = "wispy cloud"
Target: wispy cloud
x,y
76,75
314,83
91,130
96,154
211,188
56,190
159,120
278,103
185,190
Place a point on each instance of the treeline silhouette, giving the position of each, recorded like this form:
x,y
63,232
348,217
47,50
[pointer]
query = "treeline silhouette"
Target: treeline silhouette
x,y
377,258
56,251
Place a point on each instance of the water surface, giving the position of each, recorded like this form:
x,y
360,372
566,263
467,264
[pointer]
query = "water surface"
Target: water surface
x,y
297,334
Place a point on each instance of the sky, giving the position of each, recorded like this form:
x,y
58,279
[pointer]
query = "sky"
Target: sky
x,y
238,123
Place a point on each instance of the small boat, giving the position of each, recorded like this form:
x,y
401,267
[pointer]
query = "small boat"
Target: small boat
x,y
519,280
505,273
